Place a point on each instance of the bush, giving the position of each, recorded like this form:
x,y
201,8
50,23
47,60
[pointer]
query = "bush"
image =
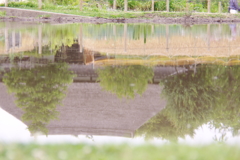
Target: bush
x,y
160,6
64,2
134,5
22,4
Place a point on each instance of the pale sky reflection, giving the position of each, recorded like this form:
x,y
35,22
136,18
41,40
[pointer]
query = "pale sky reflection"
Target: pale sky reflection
x,y
13,130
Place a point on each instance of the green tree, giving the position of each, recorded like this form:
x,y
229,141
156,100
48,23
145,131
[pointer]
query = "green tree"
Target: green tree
x,y
190,97
38,91
211,95
161,127
226,112
125,81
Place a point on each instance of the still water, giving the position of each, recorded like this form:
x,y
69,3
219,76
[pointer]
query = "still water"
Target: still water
x,y
135,81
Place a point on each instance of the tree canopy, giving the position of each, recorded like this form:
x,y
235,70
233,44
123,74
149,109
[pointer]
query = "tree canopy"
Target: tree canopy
x,y
211,95
38,91
125,81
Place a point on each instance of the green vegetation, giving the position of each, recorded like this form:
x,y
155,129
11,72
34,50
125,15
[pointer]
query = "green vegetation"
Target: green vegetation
x,y
135,5
45,16
60,35
22,4
2,13
38,92
208,96
161,127
102,8
53,37
117,152
125,81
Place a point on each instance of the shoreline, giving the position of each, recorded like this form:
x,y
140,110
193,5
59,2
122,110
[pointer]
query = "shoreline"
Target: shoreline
x,y
168,20
27,15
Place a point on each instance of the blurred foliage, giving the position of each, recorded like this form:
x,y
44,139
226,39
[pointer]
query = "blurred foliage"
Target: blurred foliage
x,y
63,2
145,31
125,81
174,5
118,152
38,92
227,111
2,13
138,30
24,4
60,34
134,5
190,97
211,95
53,37
161,127
46,51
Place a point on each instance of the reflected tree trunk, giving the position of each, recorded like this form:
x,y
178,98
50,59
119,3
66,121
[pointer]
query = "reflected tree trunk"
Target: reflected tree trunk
x,y
6,41
13,39
125,37
114,34
167,37
152,29
40,39
220,28
209,35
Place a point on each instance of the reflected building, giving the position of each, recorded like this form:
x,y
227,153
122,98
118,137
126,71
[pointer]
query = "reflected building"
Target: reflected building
x,y
89,110
166,47
76,54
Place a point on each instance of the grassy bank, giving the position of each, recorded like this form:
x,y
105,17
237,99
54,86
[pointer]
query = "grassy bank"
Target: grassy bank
x,y
107,13
110,152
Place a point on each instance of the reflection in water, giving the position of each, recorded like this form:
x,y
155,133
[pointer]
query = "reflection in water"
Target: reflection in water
x,y
38,91
211,95
233,28
125,81
197,68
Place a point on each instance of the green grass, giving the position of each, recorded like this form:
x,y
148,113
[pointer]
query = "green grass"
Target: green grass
x,y
97,13
118,152
104,13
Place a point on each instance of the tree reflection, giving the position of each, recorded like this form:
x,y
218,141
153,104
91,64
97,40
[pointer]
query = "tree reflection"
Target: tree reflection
x,y
138,30
211,95
38,91
161,127
125,81
226,114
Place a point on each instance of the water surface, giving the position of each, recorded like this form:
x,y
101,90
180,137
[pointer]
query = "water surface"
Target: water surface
x,y
167,82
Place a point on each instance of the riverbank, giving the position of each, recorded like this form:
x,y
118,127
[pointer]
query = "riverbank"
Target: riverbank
x,y
16,14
